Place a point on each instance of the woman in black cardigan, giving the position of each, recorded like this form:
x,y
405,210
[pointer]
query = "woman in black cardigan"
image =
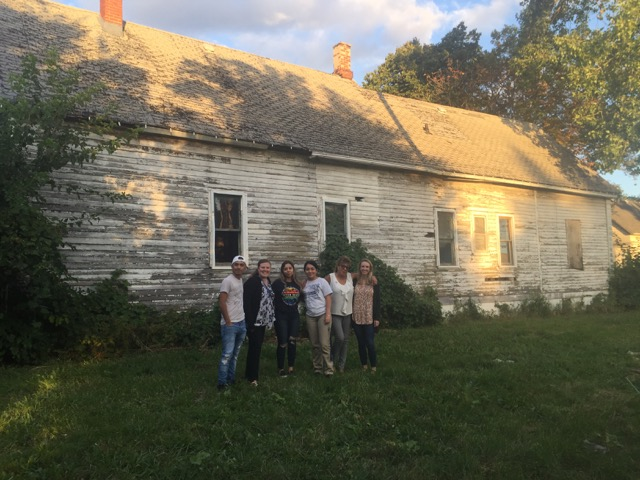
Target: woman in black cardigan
x,y
366,314
259,315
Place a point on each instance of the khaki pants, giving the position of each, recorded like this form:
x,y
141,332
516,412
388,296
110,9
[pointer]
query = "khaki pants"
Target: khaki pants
x,y
320,338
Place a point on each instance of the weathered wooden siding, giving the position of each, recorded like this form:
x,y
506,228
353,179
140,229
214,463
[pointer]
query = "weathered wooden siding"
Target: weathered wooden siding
x,y
160,234
396,220
560,281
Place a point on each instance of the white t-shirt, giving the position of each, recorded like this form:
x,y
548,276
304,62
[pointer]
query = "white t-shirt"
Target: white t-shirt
x,y
314,293
232,286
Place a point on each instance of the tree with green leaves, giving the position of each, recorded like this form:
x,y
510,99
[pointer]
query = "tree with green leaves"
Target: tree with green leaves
x,y
40,132
571,67
443,73
576,67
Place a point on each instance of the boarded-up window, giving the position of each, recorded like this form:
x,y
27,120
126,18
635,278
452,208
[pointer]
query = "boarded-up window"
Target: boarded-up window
x,y
446,227
574,244
336,219
227,228
506,241
479,233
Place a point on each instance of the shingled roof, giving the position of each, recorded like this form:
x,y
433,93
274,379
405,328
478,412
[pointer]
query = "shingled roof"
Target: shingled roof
x,y
625,216
164,80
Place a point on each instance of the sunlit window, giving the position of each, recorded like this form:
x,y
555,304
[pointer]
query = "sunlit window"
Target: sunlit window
x,y
507,256
479,233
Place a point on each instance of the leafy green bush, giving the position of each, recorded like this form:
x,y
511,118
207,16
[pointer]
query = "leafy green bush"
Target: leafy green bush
x,y
467,310
37,305
601,303
115,323
402,306
536,305
624,281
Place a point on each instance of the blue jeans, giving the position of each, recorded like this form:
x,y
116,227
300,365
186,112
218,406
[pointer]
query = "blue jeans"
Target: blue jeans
x,y
232,338
365,335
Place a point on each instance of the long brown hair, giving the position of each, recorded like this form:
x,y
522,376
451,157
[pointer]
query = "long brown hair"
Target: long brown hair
x,y
295,276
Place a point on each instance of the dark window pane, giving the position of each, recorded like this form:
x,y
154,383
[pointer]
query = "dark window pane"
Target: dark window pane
x,y
446,239
227,228
336,219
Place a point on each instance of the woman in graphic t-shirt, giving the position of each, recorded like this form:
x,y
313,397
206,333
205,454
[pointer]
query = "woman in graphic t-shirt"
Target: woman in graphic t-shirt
x,y
287,293
317,299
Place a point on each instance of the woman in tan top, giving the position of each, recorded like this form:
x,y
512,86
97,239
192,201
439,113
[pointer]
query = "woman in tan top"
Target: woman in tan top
x,y
366,314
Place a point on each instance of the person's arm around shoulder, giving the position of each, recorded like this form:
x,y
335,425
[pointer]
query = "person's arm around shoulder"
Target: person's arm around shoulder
x,y
327,314
224,310
326,290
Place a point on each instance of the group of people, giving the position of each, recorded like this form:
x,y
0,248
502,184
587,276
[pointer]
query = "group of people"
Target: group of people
x,y
333,304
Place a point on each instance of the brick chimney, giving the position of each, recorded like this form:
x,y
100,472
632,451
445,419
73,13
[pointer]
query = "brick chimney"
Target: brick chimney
x,y
111,16
342,60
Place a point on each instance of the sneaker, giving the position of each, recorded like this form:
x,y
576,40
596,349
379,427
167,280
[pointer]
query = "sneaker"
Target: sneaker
x,y
282,372
373,369
365,368
254,383
290,370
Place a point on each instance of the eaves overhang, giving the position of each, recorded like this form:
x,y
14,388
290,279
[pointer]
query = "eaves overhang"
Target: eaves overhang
x,y
457,176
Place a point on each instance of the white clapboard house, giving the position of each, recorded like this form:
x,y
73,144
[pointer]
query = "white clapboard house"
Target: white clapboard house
x,y
240,154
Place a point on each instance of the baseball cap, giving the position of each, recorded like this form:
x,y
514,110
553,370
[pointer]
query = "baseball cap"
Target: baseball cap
x,y
239,259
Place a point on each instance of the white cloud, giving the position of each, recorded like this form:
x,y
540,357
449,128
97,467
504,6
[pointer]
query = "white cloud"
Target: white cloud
x,y
304,31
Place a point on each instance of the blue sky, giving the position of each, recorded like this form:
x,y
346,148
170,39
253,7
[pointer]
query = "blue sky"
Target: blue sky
x,y
303,32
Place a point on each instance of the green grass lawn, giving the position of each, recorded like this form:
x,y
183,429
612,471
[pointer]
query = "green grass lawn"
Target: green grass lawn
x,y
549,399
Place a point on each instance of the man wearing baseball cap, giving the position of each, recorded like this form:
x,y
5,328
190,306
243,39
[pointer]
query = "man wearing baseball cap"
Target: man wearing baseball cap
x,y
232,325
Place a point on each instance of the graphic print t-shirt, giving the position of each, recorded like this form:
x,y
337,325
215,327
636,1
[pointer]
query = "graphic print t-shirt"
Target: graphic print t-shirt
x,y
314,293
287,295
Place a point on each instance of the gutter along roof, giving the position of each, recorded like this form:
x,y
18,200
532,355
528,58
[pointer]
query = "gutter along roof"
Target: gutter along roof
x,y
170,82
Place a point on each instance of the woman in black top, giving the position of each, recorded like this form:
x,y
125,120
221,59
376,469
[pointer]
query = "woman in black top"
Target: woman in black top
x,y
287,291
259,315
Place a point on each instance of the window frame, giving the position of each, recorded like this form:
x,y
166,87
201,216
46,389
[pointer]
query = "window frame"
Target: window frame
x,y
336,201
570,227
474,233
512,240
454,247
243,236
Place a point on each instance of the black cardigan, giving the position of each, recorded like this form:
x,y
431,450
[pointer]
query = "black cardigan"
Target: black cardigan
x,y
251,297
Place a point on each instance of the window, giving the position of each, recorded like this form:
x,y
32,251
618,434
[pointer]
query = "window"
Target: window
x,y
574,244
336,219
479,233
228,228
446,235
507,256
